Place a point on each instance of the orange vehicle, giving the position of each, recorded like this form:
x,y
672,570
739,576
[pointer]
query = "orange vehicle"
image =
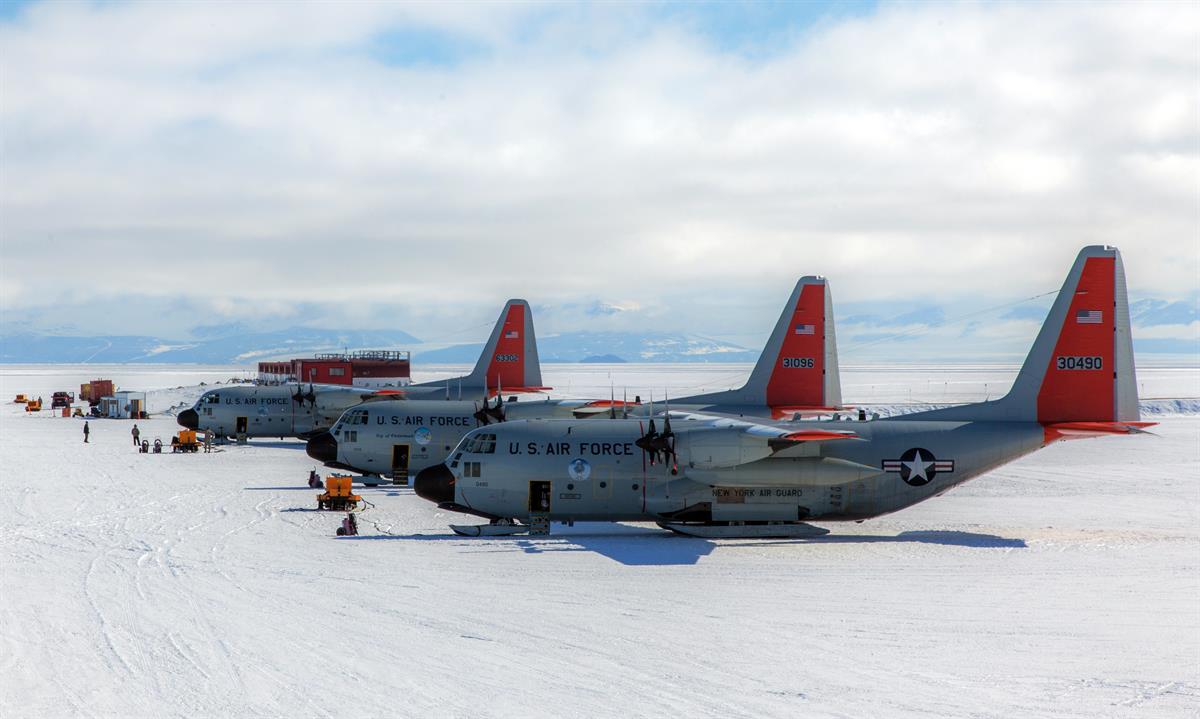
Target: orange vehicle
x,y
21,399
337,495
33,405
185,441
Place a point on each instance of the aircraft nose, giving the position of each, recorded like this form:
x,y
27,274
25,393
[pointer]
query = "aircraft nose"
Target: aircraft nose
x,y
322,447
435,483
189,418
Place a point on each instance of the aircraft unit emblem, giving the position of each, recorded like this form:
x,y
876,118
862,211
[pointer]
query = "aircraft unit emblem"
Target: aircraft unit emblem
x,y
579,470
918,466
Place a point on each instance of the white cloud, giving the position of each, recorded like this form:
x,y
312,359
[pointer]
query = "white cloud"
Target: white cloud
x,y
1190,331
262,152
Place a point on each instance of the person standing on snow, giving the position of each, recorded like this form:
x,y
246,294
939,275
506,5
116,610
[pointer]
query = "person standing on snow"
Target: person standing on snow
x,y
86,431
136,435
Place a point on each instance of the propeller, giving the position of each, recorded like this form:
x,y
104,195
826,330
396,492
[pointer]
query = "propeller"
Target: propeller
x,y
655,443
301,396
486,414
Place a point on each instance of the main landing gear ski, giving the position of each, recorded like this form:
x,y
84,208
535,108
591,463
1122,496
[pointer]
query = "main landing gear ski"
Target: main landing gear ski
x,y
732,530
496,528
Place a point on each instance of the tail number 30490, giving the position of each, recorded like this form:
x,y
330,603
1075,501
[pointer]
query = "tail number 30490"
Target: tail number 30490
x,y
1079,362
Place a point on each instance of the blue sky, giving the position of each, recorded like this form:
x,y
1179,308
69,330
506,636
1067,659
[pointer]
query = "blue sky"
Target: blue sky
x,y
375,165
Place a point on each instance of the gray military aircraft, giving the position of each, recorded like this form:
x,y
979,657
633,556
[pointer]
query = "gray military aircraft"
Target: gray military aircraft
x,y
509,360
709,475
795,374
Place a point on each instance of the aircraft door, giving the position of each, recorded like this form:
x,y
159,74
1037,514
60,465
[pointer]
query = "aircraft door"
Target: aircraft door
x,y
241,425
400,463
539,497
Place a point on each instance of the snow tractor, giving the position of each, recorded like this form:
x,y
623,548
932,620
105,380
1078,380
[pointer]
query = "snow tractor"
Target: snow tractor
x,y
337,495
185,441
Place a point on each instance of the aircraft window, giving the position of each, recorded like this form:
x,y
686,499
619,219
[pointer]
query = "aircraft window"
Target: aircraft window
x,y
471,469
213,399
481,444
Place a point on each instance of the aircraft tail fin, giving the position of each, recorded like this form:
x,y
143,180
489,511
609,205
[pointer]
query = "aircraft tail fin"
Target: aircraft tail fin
x,y
1080,368
509,359
798,367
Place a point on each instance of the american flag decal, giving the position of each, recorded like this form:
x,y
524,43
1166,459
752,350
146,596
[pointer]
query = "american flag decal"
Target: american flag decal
x,y
511,335
1089,317
805,329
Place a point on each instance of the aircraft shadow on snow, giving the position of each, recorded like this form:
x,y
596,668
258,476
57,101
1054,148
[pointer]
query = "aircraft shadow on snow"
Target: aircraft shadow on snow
x,y
635,546
632,546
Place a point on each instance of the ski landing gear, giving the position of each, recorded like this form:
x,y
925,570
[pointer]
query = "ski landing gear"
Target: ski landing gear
x,y
745,530
497,528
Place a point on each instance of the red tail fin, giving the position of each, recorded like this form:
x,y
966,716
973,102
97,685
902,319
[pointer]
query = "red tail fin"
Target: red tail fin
x,y
1080,376
509,359
798,370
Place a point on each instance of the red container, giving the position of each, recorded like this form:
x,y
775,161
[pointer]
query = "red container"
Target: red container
x,y
99,388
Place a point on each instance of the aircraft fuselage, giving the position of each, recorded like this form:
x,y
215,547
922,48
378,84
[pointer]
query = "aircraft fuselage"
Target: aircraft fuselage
x,y
596,472
270,410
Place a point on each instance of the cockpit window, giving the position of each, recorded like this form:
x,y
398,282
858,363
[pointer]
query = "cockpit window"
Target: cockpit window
x,y
213,398
484,443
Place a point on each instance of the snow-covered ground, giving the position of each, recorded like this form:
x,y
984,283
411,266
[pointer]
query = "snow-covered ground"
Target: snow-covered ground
x,y
1066,584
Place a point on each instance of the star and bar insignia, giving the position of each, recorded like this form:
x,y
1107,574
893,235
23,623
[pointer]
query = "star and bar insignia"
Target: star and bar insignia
x,y
918,466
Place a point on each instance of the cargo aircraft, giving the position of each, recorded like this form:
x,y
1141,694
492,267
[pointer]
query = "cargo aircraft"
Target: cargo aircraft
x,y
796,374
509,360
704,474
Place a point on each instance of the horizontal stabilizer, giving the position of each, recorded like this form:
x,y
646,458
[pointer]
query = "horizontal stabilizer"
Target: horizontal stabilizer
x,y
1079,430
505,389
796,413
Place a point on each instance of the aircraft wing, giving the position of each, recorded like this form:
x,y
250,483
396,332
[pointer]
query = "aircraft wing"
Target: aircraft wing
x,y
601,407
724,451
785,434
717,442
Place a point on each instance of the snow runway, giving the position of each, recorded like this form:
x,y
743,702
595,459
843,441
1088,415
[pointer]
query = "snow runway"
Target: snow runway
x,y
1065,584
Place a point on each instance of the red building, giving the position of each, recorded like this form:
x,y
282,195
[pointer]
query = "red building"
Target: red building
x,y
366,368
